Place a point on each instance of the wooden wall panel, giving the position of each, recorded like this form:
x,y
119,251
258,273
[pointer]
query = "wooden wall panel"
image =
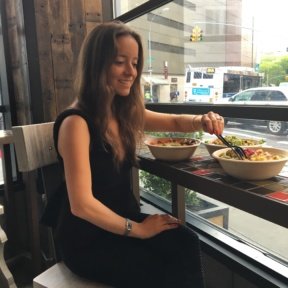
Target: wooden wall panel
x,y
42,12
61,27
62,53
77,26
18,59
93,14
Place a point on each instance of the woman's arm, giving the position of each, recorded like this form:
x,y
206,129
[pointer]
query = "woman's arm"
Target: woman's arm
x,y
73,146
211,122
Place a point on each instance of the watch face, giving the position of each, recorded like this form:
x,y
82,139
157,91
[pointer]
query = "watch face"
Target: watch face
x,y
128,227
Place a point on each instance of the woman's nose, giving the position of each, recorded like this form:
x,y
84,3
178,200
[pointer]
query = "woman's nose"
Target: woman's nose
x,y
130,70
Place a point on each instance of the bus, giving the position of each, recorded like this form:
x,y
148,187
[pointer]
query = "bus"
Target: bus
x,y
211,84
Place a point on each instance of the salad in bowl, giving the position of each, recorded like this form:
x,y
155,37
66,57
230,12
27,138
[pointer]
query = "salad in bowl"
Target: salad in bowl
x,y
216,144
260,164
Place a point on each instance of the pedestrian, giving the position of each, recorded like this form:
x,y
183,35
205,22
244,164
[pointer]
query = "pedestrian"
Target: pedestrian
x,y
100,231
148,97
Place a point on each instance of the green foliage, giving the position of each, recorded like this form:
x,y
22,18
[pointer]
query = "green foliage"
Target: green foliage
x,y
154,184
191,197
195,135
275,69
162,187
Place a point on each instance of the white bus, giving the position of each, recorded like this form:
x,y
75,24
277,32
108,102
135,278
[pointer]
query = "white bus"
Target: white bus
x,y
209,84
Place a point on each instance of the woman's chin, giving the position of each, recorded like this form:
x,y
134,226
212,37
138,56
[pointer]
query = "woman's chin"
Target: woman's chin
x,y
124,94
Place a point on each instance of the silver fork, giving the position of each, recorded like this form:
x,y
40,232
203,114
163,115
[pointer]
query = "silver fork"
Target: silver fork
x,y
240,153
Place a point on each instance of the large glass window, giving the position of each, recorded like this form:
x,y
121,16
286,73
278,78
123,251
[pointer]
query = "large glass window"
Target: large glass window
x,y
208,52
232,37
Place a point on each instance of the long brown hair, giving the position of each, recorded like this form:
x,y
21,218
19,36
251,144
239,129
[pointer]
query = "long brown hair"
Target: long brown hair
x,y
97,98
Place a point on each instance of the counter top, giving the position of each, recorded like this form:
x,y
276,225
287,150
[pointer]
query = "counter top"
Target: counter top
x,y
267,199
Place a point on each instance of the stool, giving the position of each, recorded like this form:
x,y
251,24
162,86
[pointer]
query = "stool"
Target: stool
x,y
59,276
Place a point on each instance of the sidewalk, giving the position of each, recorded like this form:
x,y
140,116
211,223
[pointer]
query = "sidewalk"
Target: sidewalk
x,y
270,236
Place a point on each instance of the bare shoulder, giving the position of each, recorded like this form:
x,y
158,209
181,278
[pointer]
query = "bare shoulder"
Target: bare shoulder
x,y
73,123
73,131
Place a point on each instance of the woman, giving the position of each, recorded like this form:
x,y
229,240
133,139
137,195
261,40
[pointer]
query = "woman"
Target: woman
x,y
101,233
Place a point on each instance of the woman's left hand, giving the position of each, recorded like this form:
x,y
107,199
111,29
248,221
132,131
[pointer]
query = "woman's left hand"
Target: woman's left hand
x,y
212,123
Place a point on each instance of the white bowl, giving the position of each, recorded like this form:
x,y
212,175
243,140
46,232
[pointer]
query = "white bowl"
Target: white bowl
x,y
253,170
171,153
211,147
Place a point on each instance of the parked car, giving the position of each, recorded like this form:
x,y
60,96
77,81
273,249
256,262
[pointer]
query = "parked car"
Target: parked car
x,y
262,96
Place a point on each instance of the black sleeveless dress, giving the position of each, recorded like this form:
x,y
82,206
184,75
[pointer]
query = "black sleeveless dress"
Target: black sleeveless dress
x,y
170,259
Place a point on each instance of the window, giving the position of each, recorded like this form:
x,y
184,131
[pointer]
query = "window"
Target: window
x,y
188,77
207,76
235,43
277,96
197,75
245,96
259,96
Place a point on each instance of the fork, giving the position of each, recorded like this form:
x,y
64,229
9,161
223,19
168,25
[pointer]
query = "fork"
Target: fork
x,y
240,153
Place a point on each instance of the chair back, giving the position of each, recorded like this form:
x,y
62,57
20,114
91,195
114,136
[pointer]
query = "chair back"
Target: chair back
x,y
34,146
37,159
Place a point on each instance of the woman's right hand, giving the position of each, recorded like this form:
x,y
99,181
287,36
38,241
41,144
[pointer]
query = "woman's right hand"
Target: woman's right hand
x,y
155,224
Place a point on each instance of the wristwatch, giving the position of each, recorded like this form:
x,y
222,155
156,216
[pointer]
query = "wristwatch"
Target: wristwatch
x,y
128,227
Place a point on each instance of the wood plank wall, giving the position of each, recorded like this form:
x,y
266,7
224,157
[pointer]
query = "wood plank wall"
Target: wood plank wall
x,y
61,26
17,60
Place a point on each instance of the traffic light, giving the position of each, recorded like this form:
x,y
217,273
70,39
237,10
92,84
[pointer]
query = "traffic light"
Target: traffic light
x,y
197,34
